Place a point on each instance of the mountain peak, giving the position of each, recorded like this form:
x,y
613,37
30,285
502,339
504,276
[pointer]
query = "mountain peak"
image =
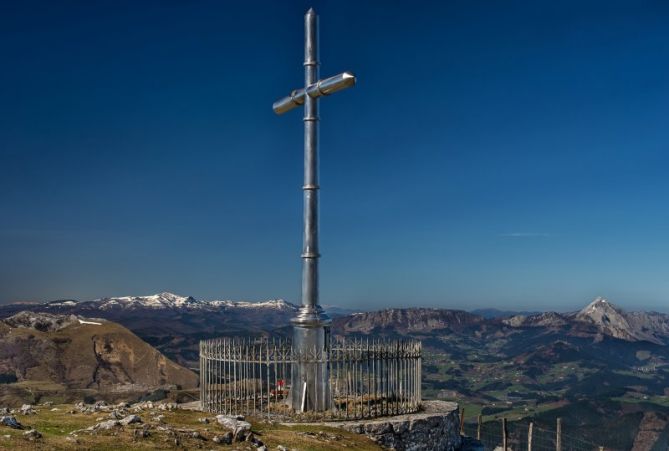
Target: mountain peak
x,y
608,318
599,309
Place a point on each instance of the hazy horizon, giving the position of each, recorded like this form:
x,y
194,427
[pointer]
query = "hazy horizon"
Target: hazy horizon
x,y
483,306
492,155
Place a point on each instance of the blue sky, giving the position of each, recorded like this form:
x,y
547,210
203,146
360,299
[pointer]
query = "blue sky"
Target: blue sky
x,y
493,154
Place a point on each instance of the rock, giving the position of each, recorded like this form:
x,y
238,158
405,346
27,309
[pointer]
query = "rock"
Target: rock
x,y
168,406
234,424
240,436
197,435
55,409
262,448
32,435
158,418
104,425
44,322
9,420
204,420
250,437
116,415
47,404
27,409
143,432
130,419
4,411
226,439
282,448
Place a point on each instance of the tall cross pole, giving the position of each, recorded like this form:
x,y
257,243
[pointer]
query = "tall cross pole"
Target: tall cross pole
x,y
310,381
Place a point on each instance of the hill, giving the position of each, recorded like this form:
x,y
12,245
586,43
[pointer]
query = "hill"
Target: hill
x,y
77,353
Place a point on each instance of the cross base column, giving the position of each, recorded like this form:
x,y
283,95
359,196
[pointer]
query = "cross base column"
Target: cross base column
x,y
310,375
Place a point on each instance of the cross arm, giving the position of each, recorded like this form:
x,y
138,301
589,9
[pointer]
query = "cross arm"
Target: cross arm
x,y
320,88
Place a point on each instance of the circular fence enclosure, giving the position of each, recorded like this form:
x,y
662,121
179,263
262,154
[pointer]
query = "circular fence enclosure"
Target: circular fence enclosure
x,y
367,378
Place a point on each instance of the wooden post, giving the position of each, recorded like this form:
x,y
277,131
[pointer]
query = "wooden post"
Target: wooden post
x,y
505,434
529,437
558,435
479,420
462,421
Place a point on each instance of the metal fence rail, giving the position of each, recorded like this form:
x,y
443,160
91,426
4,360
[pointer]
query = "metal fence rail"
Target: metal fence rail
x,y
368,378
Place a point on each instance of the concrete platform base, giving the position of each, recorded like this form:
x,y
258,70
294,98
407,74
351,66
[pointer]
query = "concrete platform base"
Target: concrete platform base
x,y
436,427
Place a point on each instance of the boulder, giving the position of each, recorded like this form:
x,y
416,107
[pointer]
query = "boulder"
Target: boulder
x,y
104,425
32,435
234,424
27,409
225,439
197,435
130,419
168,406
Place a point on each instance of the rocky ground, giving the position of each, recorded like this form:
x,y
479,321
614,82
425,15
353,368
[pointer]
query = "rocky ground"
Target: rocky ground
x,y
149,425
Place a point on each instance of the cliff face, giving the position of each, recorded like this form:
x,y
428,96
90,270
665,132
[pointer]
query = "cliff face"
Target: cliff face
x,y
94,354
412,320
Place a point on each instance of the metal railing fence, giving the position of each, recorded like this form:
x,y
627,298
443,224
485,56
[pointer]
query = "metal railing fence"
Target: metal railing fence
x,y
367,378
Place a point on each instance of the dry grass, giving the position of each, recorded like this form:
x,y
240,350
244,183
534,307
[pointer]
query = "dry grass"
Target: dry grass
x,y
56,427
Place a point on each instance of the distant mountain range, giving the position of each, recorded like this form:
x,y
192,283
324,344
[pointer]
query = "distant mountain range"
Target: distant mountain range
x,y
175,324
601,362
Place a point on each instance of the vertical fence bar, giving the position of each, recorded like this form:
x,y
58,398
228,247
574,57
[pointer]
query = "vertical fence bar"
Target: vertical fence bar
x,y
505,436
479,420
558,435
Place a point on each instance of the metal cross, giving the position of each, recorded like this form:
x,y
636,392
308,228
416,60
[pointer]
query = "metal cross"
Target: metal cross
x,y
310,382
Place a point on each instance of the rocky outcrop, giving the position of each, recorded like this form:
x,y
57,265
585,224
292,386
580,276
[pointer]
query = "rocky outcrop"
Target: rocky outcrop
x,y
44,322
437,427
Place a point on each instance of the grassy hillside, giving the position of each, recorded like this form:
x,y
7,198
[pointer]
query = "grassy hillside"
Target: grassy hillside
x,y
165,429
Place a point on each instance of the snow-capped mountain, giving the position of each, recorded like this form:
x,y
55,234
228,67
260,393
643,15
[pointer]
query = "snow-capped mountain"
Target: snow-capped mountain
x,y
168,300
161,300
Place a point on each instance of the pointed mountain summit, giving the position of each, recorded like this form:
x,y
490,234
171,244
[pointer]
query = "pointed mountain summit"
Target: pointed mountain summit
x,y
603,313
615,322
